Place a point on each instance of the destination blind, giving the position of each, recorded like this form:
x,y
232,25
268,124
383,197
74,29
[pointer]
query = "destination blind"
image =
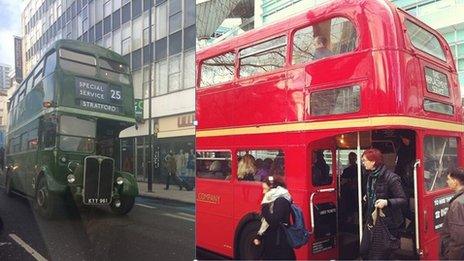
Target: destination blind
x,y
97,95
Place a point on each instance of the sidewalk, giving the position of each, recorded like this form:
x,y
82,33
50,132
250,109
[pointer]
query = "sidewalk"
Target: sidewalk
x,y
172,194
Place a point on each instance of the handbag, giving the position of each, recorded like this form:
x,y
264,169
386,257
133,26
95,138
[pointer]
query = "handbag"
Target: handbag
x,y
377,238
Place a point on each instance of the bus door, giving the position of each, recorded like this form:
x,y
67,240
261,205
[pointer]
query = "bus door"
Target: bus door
x,y
439,153
323,200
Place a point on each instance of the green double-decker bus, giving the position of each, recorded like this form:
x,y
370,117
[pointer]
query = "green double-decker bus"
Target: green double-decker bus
x,y
64,123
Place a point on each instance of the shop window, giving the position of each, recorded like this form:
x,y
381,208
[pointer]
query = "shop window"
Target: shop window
x,y
256,165
321,167
440,154
324,39
335,101
263,57
213,165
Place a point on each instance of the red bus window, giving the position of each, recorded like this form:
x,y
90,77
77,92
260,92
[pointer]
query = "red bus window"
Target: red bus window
x,y
440,154
438,107
321,167
335,101
424,40
331,37
437,82
263,57
256,165
217,70
213,165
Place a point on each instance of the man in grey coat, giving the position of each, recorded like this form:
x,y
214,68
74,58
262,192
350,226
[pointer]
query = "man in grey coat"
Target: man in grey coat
x,y
452,236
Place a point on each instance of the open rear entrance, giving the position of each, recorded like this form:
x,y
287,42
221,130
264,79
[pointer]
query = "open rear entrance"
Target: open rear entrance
x,y
398,147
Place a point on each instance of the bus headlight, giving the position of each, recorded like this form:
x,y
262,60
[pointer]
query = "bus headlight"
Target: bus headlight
x,y
119,180
71,178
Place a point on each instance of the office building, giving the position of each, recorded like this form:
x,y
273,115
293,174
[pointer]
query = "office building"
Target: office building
x,y
124,26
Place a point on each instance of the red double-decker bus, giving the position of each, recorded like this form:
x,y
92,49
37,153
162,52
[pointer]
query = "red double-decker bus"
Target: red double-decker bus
x,y
299,95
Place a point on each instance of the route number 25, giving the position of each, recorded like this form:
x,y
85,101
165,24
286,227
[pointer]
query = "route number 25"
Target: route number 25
x,y
115,94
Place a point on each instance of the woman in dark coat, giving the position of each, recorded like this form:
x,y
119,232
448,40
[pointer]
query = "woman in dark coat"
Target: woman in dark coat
x,y
385,192
275,209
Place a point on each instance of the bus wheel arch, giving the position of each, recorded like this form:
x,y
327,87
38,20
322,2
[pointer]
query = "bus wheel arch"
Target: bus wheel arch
x,y
245,231
46,202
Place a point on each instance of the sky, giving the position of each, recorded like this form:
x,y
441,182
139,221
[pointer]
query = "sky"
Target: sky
x,y
10,24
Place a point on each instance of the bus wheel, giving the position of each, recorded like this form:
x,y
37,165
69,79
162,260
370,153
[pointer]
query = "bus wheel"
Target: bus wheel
x,y
122,205
47,203
247,250
8,188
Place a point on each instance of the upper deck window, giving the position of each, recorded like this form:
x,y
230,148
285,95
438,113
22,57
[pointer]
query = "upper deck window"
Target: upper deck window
x,y
263,57
114,70
324,39
50,63
217,70
424,40
79,63
113,66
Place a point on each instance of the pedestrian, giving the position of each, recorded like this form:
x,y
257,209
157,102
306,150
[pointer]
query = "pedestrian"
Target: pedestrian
x,y
349,188
2,158
171,169
275,210
385,193
452,235
191,164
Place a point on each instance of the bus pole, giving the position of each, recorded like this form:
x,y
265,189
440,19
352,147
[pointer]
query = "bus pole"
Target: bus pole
x,y
360,212
150,122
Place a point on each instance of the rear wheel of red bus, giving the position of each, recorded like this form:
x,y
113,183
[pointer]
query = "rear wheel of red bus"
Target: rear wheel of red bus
x,y
247,250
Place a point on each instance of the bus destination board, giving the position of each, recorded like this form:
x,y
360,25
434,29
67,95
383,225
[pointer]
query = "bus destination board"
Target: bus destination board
x,y
437,82
96,95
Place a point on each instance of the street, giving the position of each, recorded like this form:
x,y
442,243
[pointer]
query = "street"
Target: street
x,y
154,230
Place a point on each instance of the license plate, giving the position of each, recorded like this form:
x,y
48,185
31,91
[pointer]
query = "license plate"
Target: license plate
x,y
97,201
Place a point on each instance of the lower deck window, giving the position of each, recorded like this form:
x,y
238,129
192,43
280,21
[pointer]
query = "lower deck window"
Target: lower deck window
x,y
213,165
257,165
440,154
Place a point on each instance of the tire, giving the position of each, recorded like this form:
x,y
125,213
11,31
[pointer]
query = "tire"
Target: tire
x,y
127,203
47,203
8,185
247,250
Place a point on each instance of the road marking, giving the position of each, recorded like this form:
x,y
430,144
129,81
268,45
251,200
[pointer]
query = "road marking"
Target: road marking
x,y
29,249
147,206
4,243
186,215
179,217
